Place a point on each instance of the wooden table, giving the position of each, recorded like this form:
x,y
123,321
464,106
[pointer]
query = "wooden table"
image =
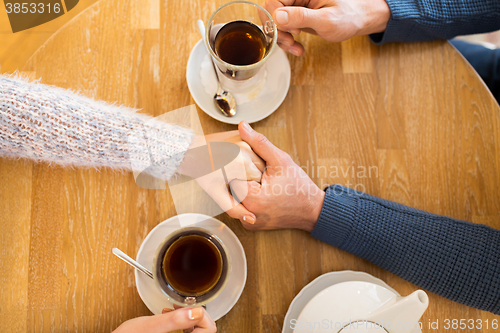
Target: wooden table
x,y
416,113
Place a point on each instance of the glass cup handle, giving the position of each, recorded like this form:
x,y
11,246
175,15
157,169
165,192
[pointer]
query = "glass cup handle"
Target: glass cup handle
x,y
268,28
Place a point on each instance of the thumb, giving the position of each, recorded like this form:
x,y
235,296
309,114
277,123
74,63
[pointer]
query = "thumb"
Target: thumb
x,y
241,213
297,17
259,143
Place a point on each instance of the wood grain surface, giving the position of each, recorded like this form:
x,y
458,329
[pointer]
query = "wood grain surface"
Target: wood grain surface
x,y
415,117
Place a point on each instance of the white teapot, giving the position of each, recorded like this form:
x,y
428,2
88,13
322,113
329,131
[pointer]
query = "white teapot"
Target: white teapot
x,y
361,307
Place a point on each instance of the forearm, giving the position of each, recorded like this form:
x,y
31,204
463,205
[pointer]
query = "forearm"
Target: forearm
x,y
452,258
57,126
422,20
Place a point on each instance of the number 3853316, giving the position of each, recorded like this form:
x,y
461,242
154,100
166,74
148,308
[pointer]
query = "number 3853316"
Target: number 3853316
x,y
32,8
463,324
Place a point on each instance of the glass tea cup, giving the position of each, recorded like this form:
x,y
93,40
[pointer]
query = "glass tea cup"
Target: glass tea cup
x,y
249,16
181,295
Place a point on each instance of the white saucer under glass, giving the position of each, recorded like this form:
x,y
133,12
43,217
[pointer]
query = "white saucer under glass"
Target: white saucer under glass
x,y
278,76
155,300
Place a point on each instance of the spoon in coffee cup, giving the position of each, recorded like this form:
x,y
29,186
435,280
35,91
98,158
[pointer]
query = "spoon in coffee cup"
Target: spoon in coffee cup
x,y
223,99
120,254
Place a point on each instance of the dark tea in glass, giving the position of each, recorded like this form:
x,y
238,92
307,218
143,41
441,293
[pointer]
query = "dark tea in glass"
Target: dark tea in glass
x,y
240,43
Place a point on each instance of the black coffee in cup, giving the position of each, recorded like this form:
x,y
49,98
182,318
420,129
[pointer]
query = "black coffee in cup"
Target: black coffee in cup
x,y
192,264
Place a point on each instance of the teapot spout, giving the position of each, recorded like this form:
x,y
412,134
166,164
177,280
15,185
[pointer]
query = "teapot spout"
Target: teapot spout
x,y
402,315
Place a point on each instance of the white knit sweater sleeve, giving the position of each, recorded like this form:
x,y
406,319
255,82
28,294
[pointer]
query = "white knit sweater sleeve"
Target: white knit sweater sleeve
x,y
55,125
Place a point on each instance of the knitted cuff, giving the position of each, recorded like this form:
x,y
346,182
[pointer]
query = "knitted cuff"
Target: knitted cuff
x,y
161,150
337,215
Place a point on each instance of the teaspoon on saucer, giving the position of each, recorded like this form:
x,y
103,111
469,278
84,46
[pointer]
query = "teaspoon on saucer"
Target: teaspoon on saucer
x,y
223,100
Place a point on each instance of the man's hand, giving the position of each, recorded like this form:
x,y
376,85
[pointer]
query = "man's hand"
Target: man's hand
x,y
333,20
171,321
287,197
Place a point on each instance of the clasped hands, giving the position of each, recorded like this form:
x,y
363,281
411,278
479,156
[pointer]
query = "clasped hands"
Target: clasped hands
x,y
262,187
285,198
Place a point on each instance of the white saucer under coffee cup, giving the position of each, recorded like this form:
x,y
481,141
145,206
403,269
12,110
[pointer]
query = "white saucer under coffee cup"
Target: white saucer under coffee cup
x,y
156,300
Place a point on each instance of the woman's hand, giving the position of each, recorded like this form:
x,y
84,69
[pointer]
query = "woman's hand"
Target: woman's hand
x,y
167,322
245,165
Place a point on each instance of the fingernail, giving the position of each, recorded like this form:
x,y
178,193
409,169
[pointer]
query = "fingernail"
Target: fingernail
x,y
281,17
294,52
247,127
195,313
249,219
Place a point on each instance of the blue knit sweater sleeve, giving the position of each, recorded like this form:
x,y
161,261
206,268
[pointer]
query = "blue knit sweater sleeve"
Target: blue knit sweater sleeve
x,y
422,20
455,259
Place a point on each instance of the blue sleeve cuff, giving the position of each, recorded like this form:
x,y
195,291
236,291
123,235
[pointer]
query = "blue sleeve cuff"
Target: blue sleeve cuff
x,y
415,21
401,25
337,215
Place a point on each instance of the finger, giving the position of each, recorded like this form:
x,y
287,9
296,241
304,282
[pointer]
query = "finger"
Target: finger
x,y
253,173
285,38
260,144
178,320
216,186
239,212
272,5
262,15
296,49
242,167
250,189
249,154
206,325
259,164
239,190
299,17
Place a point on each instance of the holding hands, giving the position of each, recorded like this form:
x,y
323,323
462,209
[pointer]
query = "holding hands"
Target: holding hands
x,y
286,197
332,20
202,165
